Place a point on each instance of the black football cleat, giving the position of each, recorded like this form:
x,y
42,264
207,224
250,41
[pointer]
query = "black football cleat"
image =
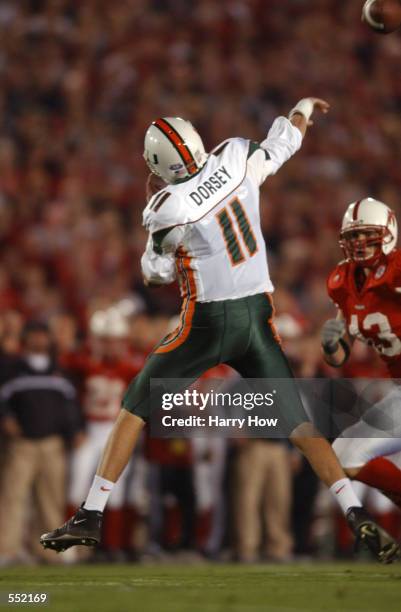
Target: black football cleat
x,y
84,528
377,540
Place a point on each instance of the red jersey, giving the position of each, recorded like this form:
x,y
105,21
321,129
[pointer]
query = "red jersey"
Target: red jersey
x,y
372,311
102,382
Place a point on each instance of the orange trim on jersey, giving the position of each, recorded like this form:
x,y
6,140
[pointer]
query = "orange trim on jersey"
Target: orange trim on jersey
x,y
276,335
180,334
176,140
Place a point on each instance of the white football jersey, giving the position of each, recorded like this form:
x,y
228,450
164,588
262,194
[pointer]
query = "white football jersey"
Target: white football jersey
x,y
205,230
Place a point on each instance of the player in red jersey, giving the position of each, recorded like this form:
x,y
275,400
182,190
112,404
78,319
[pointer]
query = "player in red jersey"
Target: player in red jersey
x,y
366,287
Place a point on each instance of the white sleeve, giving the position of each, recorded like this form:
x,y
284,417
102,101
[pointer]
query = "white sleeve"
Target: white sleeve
x,y
281,143
158,260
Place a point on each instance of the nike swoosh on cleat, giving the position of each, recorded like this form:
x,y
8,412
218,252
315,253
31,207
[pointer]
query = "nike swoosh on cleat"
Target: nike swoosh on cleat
x,y
80,521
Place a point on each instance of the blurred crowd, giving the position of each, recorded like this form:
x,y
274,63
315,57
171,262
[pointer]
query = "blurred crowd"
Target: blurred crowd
x,y
79,84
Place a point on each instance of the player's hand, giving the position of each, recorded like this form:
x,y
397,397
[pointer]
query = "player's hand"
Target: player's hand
x,y
154,184
321,105
332,332
307,106
11,427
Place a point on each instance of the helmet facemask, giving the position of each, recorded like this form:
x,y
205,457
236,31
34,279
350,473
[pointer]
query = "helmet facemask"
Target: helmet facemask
x,y
365,244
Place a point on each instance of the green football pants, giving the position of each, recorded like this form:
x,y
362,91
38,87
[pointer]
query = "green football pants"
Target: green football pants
x,y
239,333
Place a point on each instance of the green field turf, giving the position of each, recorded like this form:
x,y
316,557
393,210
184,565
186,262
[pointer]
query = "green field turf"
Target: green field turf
x,y
211,588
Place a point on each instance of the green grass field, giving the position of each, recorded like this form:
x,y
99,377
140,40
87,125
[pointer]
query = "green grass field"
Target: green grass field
x,y
210,588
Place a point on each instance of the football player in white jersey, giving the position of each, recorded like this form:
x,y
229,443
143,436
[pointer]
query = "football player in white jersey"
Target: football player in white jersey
x,y
204,230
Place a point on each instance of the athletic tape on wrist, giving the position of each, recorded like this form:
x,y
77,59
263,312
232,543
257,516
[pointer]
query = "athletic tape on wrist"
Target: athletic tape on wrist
x,y
344,346
304,107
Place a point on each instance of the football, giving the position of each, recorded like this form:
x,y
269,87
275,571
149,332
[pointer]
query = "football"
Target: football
x,y
383,16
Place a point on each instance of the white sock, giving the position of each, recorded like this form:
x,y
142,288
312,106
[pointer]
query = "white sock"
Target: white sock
x,y
98,494
344,494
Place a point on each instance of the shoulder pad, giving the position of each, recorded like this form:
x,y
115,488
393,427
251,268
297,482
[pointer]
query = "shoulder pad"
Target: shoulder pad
x,y
392,268
239,145
337,279
220,148
234,145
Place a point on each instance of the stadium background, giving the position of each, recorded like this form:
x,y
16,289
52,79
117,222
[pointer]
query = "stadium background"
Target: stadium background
x,y
80,82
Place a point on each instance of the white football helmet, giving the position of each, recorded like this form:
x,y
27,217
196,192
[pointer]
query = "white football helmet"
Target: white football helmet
x,y
367,224
108,323
173,149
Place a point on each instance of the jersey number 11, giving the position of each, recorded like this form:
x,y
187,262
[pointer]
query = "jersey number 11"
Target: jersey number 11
x,y
231,236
